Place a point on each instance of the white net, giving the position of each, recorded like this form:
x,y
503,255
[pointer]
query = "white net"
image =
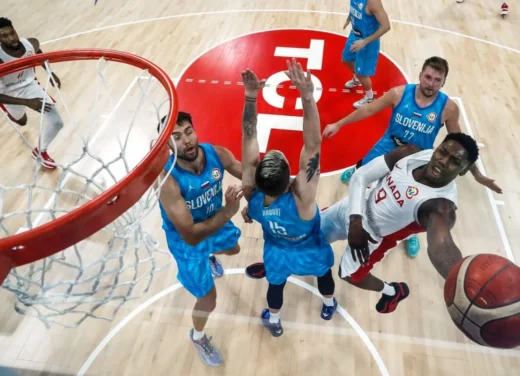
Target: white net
x,y
101,142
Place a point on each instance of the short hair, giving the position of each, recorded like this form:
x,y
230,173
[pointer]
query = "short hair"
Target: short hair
x,y
272,174
5,22
181,116
467,142
437,63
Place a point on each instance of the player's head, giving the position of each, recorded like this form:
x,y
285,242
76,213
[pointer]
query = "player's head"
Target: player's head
x,y
453,157
8,35
433,75
184,136
272,176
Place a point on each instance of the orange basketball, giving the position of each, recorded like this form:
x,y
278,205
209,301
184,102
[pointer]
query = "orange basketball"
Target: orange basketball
x,y
482,293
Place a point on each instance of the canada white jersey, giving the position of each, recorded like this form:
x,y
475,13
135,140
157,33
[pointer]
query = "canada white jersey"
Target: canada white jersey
x,y
394,201
18,79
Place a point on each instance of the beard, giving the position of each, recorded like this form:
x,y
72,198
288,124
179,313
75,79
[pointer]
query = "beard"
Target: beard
x,y
189,157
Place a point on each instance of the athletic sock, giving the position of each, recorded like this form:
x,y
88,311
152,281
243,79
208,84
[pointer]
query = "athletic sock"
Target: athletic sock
x,y
274,317
329,302
388,290
197,336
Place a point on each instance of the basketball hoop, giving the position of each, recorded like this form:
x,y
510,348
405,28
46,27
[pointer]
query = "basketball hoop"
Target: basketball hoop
x,y
117,210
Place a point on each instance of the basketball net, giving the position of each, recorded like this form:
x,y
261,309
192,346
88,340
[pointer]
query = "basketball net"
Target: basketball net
x,y
96,276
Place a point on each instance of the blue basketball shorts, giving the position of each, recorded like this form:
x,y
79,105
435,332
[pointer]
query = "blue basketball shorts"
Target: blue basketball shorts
x,y
365,59
280,263
194,272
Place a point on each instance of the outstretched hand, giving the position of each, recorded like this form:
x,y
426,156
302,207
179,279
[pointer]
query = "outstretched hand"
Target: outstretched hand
x,y
251,83
298,78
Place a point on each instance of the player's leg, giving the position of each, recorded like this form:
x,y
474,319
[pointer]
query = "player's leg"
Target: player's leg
x,y
229,234
271,315
351,271
326,286
276,273
366,63
52,125
349,58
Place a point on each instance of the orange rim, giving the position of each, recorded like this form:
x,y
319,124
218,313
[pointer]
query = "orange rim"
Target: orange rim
x,y
82,222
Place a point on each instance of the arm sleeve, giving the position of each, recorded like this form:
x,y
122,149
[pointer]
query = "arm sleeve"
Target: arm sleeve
x,y
372,171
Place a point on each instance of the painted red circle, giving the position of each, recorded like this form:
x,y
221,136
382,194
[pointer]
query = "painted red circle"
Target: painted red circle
x,y
210,89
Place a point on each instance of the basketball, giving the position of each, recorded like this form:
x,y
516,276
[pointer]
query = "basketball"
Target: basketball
x,y
482,294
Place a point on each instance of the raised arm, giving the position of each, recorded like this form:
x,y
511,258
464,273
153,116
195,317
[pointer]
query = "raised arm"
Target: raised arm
x,y
178,212
438,217
306,182
391,98
230,163
250,148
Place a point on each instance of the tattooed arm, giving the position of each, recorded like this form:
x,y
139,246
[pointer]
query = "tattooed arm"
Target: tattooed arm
x,y
306,182
250,148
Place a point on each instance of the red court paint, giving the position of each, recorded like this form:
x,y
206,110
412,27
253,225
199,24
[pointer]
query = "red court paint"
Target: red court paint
x,y
210,89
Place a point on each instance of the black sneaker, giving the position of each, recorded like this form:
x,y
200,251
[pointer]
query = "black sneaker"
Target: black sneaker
x,y
389,303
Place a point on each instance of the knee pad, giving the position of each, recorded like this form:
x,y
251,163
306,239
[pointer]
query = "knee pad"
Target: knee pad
x,y
275,296
326,284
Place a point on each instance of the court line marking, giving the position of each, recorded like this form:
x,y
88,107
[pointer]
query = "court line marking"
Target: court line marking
x,y
231,11
494,204
91,142
92,357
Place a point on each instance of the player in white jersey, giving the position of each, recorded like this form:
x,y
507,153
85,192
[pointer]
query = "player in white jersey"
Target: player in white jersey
x,y
415,192
21,89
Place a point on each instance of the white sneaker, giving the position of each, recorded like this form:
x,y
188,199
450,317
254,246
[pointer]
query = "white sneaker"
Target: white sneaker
x,y
360,103
352,83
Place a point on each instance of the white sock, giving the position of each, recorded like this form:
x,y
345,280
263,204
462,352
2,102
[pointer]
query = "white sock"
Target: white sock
x,y
329,302
274,317
370,94
388,290
197,336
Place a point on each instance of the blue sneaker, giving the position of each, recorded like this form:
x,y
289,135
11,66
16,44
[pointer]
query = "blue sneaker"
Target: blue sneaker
x,y
347,175
217,270
327,312
413,246
207,352
275,329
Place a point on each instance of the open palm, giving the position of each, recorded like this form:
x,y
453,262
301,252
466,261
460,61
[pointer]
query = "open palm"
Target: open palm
x,y
251,83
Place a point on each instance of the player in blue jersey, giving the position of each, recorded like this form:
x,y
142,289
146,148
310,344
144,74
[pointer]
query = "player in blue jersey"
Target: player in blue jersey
x,y
361,53
197,223
418,113
287,210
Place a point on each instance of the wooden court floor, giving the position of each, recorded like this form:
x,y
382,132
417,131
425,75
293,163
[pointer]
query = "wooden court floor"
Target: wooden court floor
x,y
417,339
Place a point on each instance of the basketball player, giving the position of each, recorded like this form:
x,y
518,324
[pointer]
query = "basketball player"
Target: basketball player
x,y
21,89
287,210
196,222
418,113
361,53
414,191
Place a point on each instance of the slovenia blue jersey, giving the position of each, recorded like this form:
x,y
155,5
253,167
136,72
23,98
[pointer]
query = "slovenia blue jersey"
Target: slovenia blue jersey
x,y
411,124
282,225
363,24
202,193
